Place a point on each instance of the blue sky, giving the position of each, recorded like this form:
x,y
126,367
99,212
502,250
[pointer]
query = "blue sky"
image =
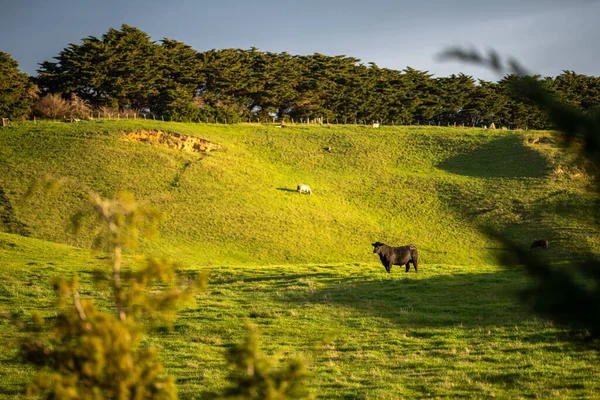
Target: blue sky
x,y
546,36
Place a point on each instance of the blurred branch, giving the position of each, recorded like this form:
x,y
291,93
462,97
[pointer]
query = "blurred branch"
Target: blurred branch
x,y
492,61
559,293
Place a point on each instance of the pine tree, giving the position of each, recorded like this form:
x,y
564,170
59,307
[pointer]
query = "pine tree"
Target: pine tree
x,y
17,91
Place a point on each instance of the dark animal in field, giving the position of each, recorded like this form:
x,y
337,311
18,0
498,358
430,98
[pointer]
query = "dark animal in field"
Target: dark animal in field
x,y
539,243
403,255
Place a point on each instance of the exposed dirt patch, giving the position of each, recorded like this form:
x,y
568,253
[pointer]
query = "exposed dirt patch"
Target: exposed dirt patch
x,y
174,141
541,140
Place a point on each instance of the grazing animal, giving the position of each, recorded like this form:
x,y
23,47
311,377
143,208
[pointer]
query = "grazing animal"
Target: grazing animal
x,y
403,255
304,189
539,243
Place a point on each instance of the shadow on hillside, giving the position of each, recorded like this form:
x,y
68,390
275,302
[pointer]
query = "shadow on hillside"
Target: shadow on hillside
x,y
287,190
410,300
522,217
283,278
505,157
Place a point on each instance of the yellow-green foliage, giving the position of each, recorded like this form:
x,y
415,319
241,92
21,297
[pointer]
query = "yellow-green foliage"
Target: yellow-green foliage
x,y
93,355
255,377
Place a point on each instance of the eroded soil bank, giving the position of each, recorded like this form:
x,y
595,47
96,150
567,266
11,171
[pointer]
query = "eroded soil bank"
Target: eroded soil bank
x,y
173,141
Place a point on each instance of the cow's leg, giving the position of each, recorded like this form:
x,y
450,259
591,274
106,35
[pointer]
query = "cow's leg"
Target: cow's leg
x,y
407,266
415,264
389,267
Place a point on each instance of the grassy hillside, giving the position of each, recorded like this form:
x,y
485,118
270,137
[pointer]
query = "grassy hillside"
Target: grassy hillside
x,y
434,187
301,267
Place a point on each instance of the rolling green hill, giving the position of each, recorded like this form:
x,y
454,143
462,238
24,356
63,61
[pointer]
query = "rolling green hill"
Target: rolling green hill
x,y
434,187
301,267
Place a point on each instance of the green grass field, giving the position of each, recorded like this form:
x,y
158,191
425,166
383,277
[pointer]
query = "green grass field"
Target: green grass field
x,y
302,268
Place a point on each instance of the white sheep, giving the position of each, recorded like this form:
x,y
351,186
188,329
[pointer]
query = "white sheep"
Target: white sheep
x,y
304,189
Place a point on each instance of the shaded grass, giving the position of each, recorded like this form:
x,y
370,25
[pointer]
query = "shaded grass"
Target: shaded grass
x,y
448,331
501,158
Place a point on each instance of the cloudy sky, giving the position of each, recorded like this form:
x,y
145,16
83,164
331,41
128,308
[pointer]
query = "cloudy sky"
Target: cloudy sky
x,y
546,36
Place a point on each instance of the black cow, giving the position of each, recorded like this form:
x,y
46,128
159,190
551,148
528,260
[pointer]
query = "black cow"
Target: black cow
x,y
403,255
539,243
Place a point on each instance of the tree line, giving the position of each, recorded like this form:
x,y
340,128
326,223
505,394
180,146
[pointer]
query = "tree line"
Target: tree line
x,y
124,70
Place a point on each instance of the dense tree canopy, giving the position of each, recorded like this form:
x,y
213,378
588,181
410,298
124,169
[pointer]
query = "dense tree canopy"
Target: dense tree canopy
x,y
17,92
125,69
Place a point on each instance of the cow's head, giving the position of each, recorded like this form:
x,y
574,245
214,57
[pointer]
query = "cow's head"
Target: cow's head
x,y
377,246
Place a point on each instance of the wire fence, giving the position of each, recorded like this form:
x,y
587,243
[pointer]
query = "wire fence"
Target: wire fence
x,y
117,116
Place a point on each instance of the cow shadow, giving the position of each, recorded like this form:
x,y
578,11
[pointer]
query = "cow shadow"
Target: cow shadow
x,y
438,296
417,301
280,280
287,190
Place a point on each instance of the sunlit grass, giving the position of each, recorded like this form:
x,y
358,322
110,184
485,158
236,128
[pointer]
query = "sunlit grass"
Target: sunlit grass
x,y
302,268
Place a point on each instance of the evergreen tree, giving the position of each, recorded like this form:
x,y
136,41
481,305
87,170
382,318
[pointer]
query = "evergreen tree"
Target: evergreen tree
x,y
485,105
455,93
122,69
181,75
580,91
521,112
17,91
421,100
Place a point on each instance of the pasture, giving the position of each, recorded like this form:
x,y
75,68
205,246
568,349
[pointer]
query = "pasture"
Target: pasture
x,y
301,267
